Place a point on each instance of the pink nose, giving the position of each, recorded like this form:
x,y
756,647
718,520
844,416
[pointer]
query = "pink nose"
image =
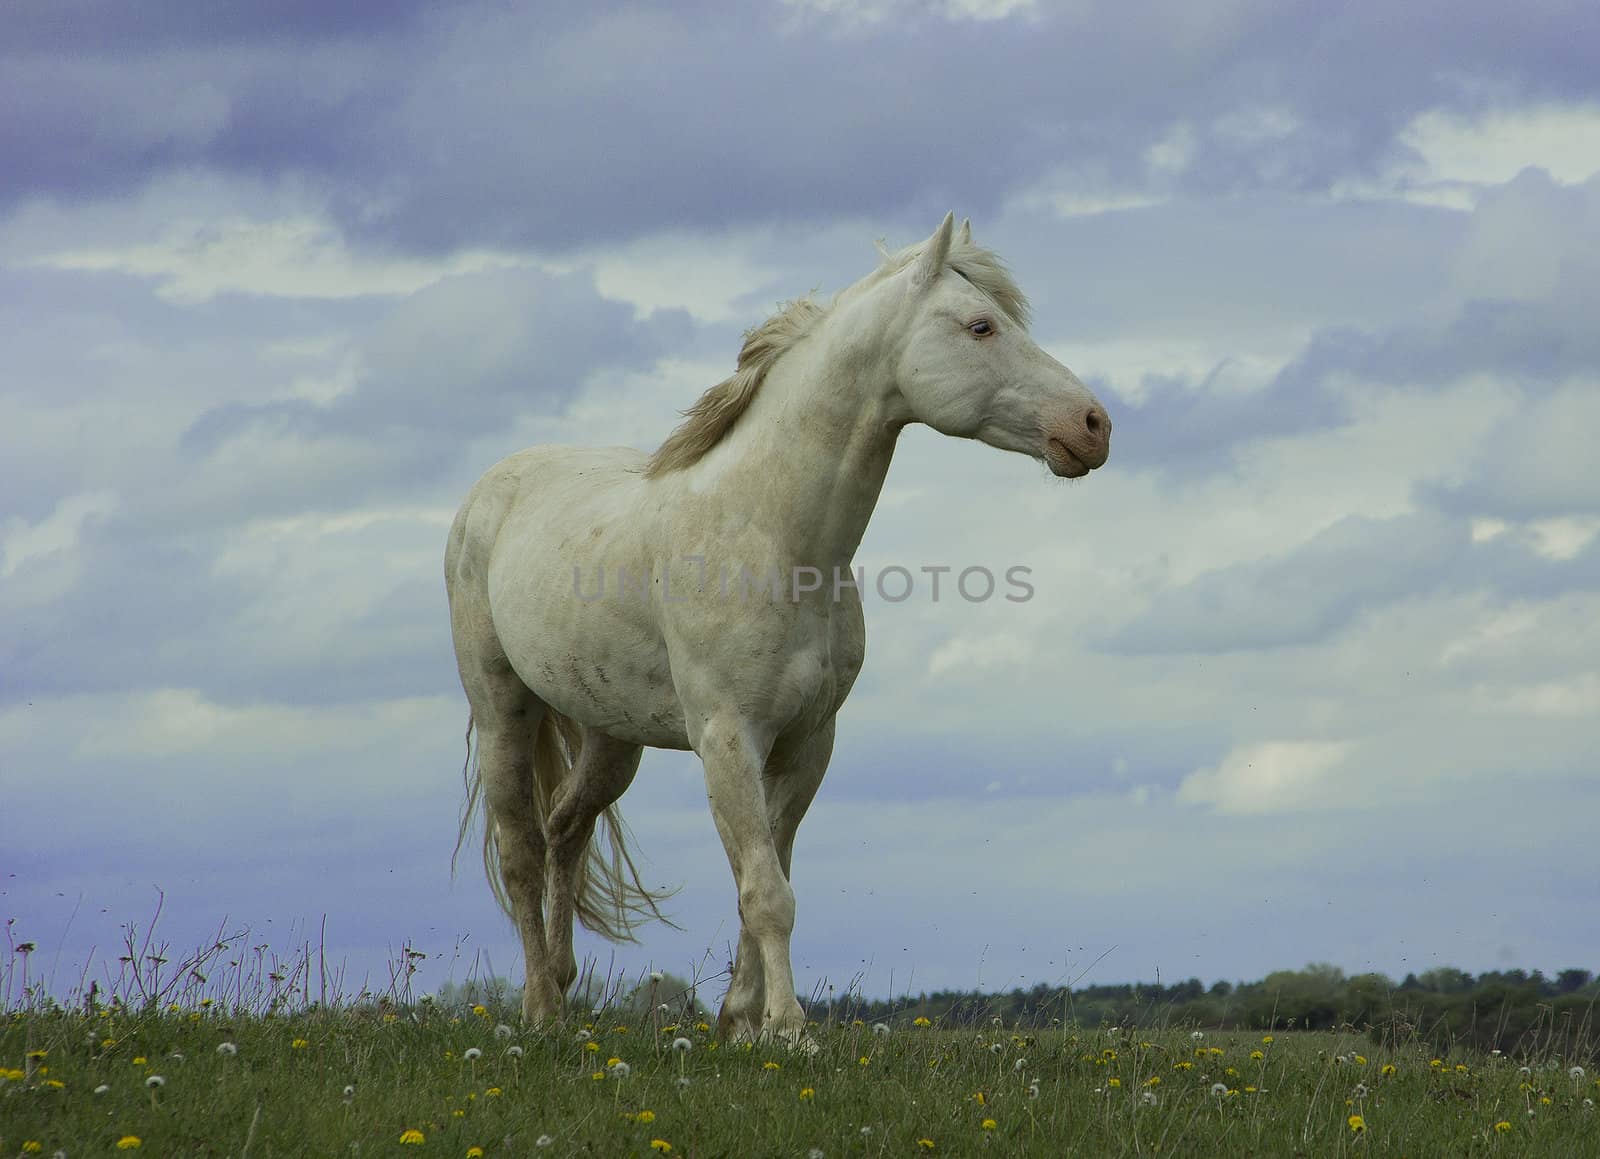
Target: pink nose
x,y
1077,439
1097,436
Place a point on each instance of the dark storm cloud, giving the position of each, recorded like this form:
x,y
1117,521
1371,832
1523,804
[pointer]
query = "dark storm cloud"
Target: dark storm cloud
x,y
513,125
1358,565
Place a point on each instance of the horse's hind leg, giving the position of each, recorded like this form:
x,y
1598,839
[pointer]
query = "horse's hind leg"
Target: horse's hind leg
x,y
508,727
602,773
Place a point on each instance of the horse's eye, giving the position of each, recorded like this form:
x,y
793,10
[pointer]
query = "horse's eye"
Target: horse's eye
x,y
981,328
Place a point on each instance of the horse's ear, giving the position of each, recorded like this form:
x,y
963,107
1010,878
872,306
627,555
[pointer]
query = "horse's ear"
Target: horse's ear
x,y
930,263
965,237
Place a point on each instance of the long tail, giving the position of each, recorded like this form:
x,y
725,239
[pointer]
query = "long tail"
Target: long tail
x,y
611,899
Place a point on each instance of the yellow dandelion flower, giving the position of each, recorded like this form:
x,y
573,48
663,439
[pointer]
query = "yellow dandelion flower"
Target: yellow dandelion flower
x,y
770,1065
412,1137
474,1153
1357,1123
920,1020
1361,1060
661,1145
31,1146
480,1010
591,1047
1214,1051
1461,1068
37,1055
139,1060
15,1076
1108,1055
807,1094
619,1030
1113,1082
1184,1065
863,1060
613,1060
54,1084
925,1144
988,1124
1267,1038
1502,1126
1153,1081
494,1092
204,1002
458,1113
978,1097
1389,1069
1544,1100
703,1027
173,1008
299,1044
1436,1063
1257,1055
598,1075
645,1117
195,1017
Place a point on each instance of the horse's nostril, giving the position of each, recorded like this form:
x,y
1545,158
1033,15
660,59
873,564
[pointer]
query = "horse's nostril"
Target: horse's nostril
x,y
1094,421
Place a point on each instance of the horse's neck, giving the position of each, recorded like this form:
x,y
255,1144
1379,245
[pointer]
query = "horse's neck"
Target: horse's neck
x,y
817,443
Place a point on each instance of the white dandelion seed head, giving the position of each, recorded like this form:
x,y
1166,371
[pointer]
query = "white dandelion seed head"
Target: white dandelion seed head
x,y
1339,1058
664,1009
155,1081
683,1081
472,1054
101,1089
1495,1053
227,1049
349,1092
655,975
865,1131
1219,1089
1588,1104
1033,1089
1148,1098
514,1051
814,1153
681,1044
426,1000
1197,1035
502,1031
543,1141
1361,1090
1576,1073
995,1048
621,1069
1524,1071
582,1036
1019,1066
880,1028
176,1056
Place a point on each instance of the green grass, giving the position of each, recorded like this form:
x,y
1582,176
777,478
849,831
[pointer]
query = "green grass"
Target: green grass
x,y
286,1090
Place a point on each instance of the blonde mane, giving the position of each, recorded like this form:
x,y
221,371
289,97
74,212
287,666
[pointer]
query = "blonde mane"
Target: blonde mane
x,y
715,412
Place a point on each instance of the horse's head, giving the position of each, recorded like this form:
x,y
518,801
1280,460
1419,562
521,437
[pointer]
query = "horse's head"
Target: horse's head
x,y
968,368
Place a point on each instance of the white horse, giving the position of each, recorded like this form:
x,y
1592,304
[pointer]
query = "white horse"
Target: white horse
x,y
773,472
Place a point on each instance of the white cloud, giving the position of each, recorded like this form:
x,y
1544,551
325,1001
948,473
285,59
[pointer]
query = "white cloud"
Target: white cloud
x,y
1268,777
296,257
21,541
1491,149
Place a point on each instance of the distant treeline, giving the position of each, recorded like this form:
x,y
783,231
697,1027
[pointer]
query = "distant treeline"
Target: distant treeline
x,y
1515,1011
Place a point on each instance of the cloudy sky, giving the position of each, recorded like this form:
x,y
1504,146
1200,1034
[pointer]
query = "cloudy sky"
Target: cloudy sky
x,y
1312,671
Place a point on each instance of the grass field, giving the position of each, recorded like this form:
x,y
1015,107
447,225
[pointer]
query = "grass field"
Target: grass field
x,y
201,1080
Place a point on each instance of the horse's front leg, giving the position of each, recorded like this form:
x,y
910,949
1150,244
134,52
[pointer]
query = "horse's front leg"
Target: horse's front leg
x,y
761,998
